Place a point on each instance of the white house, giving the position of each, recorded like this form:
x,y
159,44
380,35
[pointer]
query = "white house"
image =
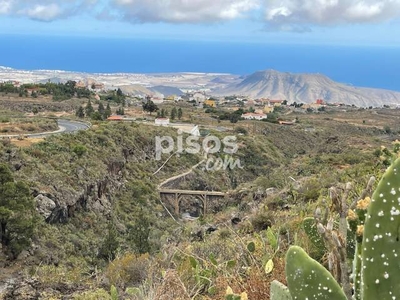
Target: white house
x,y
162,121
199,97
254,116
157,100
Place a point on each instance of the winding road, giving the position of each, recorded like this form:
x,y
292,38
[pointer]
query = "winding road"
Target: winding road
x,y
65,126
69,126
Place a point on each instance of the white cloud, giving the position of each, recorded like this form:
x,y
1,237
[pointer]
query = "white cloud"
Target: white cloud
x,y
5,7
184,11
362,11
288,15
42,12
45,10
299,13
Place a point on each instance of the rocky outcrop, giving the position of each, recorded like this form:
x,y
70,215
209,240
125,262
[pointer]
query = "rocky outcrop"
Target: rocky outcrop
x,y
24,290
44,205
63,204
60,203
21,288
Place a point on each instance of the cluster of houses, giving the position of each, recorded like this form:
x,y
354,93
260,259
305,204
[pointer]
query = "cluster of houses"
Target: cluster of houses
x,y
199,98
90,84
260,107
13,83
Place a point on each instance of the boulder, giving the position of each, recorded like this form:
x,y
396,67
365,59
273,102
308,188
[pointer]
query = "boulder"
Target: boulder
x,y
44,205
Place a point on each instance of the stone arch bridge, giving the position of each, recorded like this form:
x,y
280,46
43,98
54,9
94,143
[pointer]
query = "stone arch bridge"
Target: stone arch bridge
x,y
174,198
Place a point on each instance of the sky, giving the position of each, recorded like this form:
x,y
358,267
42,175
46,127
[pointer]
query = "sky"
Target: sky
x,y
338,22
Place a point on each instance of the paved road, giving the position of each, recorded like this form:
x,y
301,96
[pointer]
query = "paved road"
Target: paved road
x,y
65,126
72,126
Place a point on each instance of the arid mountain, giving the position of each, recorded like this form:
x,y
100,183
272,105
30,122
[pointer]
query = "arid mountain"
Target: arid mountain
x,y
307,88
166,90
136,90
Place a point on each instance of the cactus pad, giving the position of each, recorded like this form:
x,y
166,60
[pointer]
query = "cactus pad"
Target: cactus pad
x,y
279,291
307,279
381,240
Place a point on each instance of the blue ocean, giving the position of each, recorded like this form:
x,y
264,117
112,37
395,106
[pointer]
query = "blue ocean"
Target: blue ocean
x,y
365,66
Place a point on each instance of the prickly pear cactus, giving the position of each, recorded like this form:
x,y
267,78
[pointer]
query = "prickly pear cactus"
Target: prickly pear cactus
x,y
310,228
307,279
279,291
381,240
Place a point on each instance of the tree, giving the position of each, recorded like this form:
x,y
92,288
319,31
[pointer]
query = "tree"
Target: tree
x,y
17,213
174,112
120,97
89,109
101,109
149,106
96,116
234,118
162,114
180,113
35,110
109,248
138,234
80,113
120,111
107,112
387,129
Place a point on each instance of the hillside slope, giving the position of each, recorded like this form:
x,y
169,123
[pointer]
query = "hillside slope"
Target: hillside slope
x,y
307,88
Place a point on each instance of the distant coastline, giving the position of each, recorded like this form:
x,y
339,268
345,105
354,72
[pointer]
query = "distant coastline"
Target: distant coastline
x,y
271,84
374,67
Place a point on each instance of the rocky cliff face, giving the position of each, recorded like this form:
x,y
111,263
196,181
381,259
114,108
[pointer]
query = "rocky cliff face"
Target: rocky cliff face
x,y
307,88
58,205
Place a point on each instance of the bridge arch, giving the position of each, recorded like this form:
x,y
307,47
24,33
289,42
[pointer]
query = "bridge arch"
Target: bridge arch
x,y
179,197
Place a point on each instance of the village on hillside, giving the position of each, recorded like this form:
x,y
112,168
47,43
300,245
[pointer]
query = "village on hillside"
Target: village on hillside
x,y
133,106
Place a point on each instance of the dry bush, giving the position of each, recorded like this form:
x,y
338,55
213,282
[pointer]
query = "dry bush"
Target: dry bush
x,y
128,270
256,283
53,275
6,142
37,153
99,294
261,221
172,288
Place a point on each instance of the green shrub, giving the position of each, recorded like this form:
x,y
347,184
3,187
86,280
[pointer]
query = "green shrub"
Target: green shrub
x,y
17,213
79,149
262,221
99,294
